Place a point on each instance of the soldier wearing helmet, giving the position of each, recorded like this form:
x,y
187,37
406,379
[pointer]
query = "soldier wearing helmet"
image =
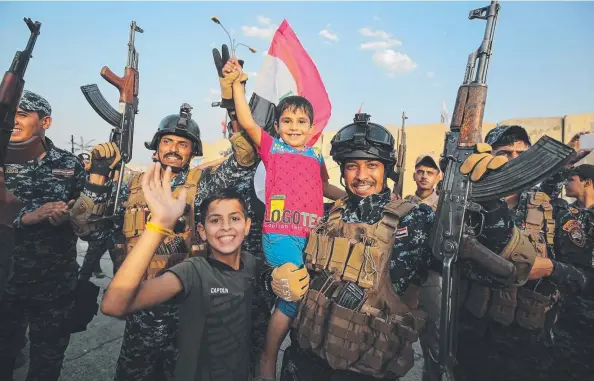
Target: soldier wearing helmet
x,y
148,348
367,260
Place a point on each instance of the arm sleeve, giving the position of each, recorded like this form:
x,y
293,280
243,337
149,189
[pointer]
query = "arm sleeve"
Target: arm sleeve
x,y
188,276
412,256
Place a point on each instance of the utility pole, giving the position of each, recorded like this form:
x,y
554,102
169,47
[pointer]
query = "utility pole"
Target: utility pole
x,y
72,143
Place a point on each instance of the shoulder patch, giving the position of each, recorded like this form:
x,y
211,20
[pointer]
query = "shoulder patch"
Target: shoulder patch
x,y
573,210
63,172
401,233
575,232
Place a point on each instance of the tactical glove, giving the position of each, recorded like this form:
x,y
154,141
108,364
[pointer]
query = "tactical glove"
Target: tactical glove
x,y
104,158
226,80
290,282
481,161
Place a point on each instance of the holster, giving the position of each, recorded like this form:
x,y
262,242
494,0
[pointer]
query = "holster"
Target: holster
x,y
522,254
85,305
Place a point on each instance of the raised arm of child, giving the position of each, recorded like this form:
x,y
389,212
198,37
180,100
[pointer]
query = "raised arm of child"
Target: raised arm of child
x,y
127,292
330,191
242,109
333,192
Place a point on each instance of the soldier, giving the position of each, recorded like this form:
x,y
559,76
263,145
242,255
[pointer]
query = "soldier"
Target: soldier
x,y
385,245
149,346
574,243
41,291
426,176
513,324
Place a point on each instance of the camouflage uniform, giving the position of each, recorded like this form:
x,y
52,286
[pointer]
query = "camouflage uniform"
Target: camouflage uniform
x,y
574,344
410,263
149,347
40,292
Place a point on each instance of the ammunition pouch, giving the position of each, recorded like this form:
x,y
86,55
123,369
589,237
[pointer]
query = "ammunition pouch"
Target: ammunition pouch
x,y
532,309
80,213
160,263
85,305
522,254
244,151
351,315
526,307
178,247
539,219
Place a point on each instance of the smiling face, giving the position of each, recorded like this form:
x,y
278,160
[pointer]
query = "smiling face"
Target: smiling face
x,y
294,127
28,124
175,151
225,227
364,177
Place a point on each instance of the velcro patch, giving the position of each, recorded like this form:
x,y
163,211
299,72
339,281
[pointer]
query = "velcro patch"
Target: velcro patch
x,y
575,232
63,172
401,233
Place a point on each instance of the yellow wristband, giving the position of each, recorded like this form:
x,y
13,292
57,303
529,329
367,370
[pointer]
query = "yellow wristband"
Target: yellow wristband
x,y
158,229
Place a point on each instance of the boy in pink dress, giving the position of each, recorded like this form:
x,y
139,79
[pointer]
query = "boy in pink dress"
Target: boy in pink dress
x,y
296,184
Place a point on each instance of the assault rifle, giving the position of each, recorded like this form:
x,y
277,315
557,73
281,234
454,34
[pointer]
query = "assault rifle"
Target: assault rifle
x,y
122,121
401,160
11,88
451,234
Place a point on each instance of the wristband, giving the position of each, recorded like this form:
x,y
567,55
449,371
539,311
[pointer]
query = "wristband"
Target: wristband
x,y
158,229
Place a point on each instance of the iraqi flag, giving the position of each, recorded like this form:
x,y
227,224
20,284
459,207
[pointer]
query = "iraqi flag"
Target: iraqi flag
x,y
289,70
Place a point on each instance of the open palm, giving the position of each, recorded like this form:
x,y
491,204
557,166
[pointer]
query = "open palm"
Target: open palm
x,y
165,208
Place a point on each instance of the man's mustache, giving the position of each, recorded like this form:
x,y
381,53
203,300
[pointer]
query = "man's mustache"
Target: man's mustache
x,y
173,154
370,183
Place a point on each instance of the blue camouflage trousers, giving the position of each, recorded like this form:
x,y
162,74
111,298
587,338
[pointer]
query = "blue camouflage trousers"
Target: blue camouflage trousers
x,y
149,348
49,335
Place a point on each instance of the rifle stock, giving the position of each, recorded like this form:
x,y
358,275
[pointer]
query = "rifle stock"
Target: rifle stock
x,y
123,121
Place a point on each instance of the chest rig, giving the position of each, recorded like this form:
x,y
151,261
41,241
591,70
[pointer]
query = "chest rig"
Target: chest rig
x,y
351,316
526,306
174,249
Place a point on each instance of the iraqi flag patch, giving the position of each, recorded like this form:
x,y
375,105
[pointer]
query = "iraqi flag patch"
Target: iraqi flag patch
x,y
401,233
63,172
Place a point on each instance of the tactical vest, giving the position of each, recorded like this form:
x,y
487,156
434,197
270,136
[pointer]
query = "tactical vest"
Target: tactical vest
x,y
375,337
524,305
136,216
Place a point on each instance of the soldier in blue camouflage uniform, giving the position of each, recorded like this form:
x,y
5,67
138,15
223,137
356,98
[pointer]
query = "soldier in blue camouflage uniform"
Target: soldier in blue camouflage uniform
x,y
40,293
510,351
574,243
371,159
149,347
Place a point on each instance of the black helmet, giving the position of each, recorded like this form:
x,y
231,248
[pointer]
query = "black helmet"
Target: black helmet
x,y
364,140
180,125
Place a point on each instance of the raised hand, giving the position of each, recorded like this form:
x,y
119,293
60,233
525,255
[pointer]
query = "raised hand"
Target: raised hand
x,y
165,208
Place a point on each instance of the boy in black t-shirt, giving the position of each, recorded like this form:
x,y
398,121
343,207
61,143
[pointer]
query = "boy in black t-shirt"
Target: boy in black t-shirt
x,y
215,292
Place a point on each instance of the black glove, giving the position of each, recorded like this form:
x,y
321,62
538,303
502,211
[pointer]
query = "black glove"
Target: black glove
x,y
570,276
220,59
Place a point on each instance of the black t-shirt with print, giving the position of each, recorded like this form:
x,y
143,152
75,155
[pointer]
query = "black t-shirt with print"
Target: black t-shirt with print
x,y
215,319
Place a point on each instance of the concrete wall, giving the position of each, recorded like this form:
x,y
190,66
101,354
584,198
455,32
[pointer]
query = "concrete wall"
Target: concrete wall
x,y
430,138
